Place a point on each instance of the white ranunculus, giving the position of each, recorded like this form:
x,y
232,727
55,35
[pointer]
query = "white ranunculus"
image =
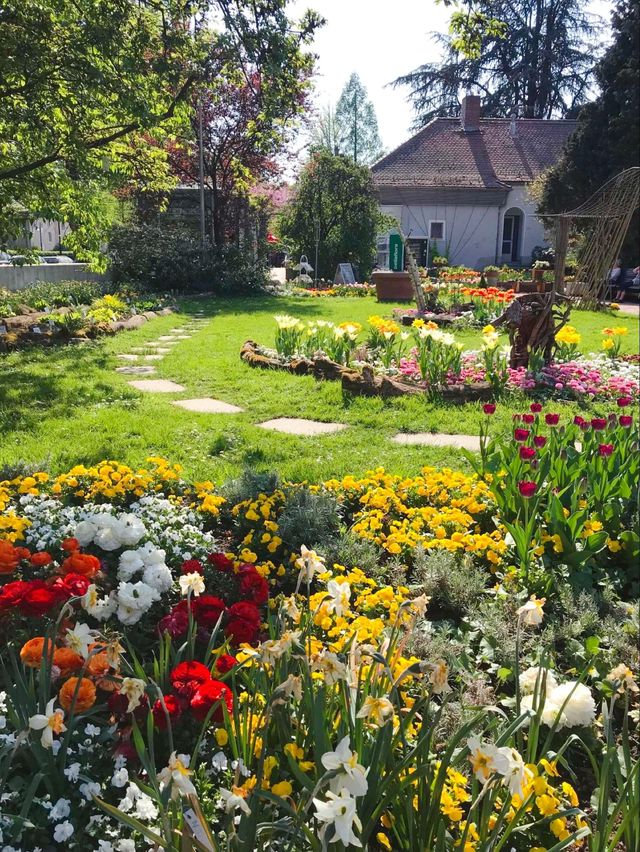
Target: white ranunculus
x,y
158,576
129,564
85,532
580,708
131,529
535,674
134,599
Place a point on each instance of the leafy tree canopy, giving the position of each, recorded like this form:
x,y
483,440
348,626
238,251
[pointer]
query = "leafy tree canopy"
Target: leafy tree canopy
x,y
533,58
88,89
334,198
356,125
607,139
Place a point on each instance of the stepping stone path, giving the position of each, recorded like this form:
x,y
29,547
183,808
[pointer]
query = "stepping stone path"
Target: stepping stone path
x,y
157,385
437,439
206,405
166,337
153,357
136,371
128,357
299,426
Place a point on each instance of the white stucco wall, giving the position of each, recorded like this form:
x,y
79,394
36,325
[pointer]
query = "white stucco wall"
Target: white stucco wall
x,y
473,231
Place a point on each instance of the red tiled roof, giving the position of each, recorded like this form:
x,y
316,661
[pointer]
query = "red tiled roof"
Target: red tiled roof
x,y
443,155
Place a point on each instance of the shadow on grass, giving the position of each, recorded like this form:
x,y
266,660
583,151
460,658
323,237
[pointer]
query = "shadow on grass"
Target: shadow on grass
x,y
42,383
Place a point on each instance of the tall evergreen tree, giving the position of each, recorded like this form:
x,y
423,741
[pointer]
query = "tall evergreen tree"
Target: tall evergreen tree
x,y
356,125
607,139
533,58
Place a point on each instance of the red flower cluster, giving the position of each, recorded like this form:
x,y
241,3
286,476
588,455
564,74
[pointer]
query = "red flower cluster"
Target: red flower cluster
x,y
194,690
38,597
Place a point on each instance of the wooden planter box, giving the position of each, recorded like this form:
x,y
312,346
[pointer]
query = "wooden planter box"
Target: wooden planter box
x,y
393,286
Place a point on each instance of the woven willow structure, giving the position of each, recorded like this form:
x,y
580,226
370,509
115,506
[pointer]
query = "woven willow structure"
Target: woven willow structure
x,y
610,210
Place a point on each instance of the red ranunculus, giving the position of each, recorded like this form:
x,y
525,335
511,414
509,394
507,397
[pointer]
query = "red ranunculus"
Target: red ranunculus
x,y
599,423
552,419
40,559
626,420
192,566
535,407
72,585
527,488
527,453
624,401
81,563
173,711
489,408
539,440
605,450
11,593
209,694
225,663
254,587
38,599
528,418
188,676
70,545
220,561
521,434
176,622
244,622
207,609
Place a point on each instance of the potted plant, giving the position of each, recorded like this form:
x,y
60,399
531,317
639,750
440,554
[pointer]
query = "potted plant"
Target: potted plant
x,y
539,268
439,261
491,274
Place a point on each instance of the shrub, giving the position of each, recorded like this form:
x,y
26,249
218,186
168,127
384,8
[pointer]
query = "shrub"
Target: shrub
x,y
161,259
308,517
454,585
249,485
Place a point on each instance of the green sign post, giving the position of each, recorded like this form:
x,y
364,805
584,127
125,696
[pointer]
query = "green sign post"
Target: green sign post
x,y
396,253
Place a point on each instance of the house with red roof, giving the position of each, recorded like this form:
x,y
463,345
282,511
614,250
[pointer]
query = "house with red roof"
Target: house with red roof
x,y
460,186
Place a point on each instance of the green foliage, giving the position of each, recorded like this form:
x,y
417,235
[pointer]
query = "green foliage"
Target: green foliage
x,y
308,517
454,585
249,485
43,294
356,125
533,58
338,195
608,135
161,259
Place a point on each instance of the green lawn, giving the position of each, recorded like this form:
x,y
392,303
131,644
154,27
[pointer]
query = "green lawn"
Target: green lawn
x,y
67,405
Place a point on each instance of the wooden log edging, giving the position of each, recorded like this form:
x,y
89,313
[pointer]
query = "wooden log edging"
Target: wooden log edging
x,y
361,383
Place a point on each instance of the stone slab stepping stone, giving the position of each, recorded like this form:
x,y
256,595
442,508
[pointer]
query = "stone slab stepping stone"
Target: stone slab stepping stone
x,y
157,385
299,426
206,405
437,439
153,357
127,357
166,337
136,371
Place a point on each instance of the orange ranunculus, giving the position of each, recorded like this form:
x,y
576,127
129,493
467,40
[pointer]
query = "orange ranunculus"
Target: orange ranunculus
x,y
81,563
10,557
84,698
32,651
70,544
98,665
67,661
40,559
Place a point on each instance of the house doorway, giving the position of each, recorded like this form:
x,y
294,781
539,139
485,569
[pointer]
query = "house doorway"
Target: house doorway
x,y
511,235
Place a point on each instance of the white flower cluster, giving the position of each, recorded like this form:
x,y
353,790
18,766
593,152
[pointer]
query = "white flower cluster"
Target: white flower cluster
x,y
110,532
174,528
568,705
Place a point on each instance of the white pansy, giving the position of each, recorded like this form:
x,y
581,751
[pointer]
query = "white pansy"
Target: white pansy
x,y
120,778
60,810
89,789
72,772
63,831
219,762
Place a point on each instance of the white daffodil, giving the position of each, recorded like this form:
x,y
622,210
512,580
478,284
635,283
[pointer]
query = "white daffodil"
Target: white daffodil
x,y
234,799
486,759
133,689
339,812
50,723
517,774
535,675
309,563
579,708
532,613
292,686
331,667
79,638
176,775
339,594
377,710
439,677
352,775
192,584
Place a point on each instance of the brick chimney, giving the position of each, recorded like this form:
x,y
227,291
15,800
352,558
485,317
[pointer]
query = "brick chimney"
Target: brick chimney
x,y
470,113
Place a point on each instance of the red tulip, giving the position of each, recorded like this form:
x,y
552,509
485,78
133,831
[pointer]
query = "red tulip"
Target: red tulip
x,y
527,488
539,440
528,418
623,401
579,421
489,408
551,419
527,453
605,450
599,423
521,434
626,420
535,407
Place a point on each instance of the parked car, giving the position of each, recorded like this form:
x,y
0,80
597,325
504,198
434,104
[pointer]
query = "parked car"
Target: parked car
x,y
58,258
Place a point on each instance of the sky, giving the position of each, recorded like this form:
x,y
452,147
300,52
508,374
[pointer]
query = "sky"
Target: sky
x,y
380,41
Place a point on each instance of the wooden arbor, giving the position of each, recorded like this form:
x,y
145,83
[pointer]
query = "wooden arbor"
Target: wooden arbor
x,y
609,210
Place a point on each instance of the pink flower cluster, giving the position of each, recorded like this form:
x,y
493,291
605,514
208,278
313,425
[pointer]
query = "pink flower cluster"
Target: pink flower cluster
x,y
583,379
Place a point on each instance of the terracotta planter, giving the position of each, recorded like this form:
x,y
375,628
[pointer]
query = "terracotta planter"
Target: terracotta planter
x,y
393,286
538,276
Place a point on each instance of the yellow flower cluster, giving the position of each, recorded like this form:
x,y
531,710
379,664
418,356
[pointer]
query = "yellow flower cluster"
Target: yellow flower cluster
x,y
444,510
110,480
257,522
382,325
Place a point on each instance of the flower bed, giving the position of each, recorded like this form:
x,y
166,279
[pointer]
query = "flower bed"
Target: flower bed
x,y
180,668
